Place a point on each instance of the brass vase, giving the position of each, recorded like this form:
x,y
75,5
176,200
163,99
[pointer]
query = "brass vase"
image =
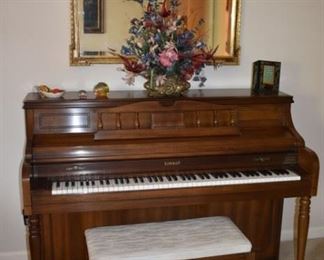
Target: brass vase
x,y
173,86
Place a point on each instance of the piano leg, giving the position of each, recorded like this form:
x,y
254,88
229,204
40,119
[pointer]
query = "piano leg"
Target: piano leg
x,y
303,223
34,237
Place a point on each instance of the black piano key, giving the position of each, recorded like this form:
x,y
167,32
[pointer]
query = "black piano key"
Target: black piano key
x,y
121,180
116,181
280,171
223,175
174,177
150,179
93,183
101,182
155,178
285,171
87,183
182,177
169,178
248,173
238,174
73,183
206,175
127,180
135,179
57,184
193,177
276,172
232,174
141,179
266,172
160,178
215,175
107,182
201,176
66,184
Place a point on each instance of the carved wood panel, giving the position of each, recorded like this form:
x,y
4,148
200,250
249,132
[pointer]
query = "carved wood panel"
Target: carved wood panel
x,y
178,119
64,121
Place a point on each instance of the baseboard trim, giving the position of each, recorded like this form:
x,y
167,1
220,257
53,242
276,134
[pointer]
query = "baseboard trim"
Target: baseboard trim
x,y
21,255
313,232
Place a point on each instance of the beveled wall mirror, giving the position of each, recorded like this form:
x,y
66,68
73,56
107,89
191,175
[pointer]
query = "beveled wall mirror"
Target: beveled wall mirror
x,y
97,25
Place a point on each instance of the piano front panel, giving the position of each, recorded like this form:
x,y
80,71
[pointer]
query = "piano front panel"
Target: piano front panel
x,y
63,234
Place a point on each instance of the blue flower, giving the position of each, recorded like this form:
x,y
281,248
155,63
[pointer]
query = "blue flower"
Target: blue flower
x,y
126,51
133,30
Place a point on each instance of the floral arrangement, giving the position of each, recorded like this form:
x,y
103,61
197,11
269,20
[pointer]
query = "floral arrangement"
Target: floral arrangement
x,y
161,46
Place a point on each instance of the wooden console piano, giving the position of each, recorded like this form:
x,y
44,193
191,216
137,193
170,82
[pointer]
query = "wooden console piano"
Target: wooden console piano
x,y
133,159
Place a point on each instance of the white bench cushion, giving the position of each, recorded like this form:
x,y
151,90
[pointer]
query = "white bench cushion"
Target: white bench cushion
x,y
180,239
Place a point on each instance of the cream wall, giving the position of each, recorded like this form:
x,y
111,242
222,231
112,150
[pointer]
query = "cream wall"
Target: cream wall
x,y
34,49
2,208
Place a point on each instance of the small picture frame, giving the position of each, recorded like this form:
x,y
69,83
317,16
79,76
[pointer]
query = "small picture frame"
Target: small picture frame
x,y
93,16
266,76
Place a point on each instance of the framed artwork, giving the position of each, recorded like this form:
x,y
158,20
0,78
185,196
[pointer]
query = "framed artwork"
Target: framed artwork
x,y
97,25
266,76
93,16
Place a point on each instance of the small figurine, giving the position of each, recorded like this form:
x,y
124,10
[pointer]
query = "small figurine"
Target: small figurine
x,y
101,90
47,92
83,94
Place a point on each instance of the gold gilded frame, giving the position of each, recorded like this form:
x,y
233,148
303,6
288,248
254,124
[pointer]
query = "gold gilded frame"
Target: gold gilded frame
x,y
77,60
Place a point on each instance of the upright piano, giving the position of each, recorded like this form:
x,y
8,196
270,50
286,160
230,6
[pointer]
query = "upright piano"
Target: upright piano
x,y
135,159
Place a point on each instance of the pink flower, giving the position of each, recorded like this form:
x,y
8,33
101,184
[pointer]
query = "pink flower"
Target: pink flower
x,y
168,56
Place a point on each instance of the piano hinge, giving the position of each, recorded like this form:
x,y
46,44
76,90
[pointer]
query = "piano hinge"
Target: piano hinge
x,y
26,220
100,124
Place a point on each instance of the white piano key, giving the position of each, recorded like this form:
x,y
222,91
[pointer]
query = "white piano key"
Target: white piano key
x,y
61,188
54,189
169,182
69,188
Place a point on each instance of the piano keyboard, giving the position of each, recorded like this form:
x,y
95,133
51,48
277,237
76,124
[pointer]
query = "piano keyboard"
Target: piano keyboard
x,y
172,181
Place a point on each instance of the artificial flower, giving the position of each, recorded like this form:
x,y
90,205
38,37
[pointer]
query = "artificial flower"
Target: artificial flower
x,y
168,57
161,45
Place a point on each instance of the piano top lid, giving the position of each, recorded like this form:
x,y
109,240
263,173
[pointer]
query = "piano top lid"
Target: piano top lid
x,y
221,96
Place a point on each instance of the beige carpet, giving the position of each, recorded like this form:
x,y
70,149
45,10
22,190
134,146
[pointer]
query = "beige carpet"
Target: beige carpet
x,y
314,250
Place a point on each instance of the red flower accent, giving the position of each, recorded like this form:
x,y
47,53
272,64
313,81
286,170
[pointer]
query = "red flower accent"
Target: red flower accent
x,y
148,24
164,11
149,8
210,55
132,65
187,73
204,57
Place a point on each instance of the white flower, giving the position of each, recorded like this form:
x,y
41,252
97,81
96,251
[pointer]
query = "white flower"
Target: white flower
x,y
160,79
129,78
170,45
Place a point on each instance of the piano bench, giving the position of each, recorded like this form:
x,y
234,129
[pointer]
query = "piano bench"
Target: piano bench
x,y
210,238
